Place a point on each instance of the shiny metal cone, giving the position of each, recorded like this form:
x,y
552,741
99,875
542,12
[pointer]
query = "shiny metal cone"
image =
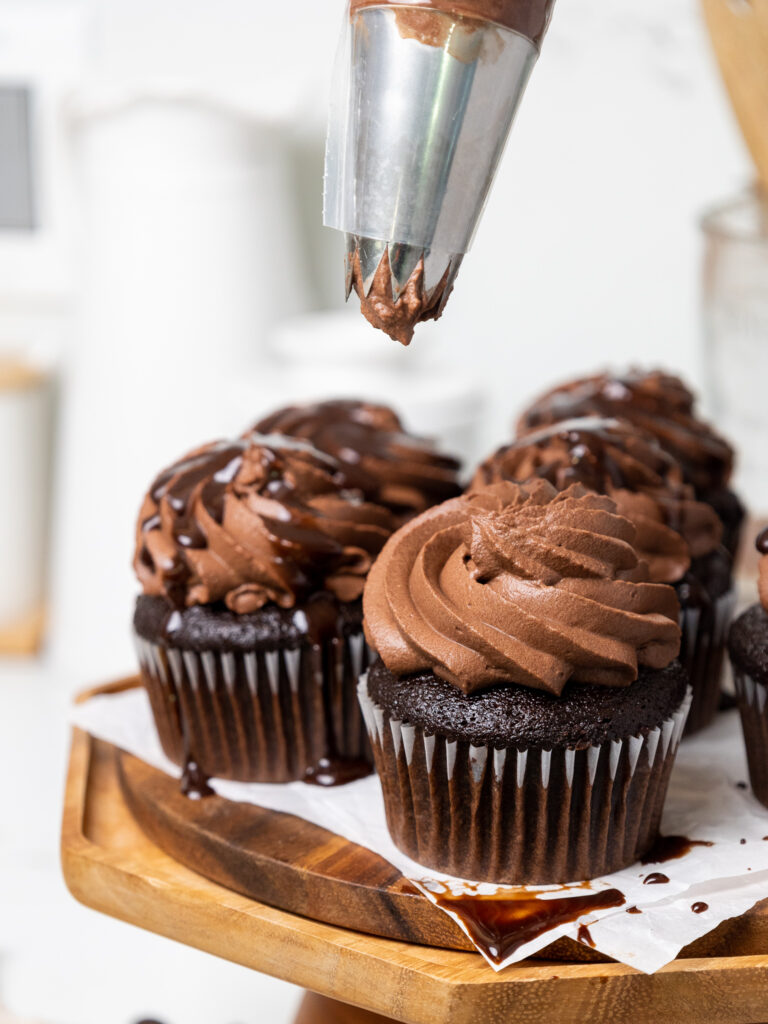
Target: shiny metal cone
x,y
415,135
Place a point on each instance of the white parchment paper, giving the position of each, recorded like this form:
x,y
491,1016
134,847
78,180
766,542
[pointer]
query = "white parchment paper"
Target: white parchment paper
x,y
708,800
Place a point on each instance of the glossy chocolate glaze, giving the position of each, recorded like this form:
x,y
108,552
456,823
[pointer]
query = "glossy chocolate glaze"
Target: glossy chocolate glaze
x,y
391,467
655,878
668,848
502,924
264,518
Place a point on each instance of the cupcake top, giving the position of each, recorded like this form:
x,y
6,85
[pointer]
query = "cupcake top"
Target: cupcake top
x,y
392,468
519,584
656,402
612,457
256,520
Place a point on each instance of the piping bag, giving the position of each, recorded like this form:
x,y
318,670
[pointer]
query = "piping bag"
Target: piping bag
x,y
424,96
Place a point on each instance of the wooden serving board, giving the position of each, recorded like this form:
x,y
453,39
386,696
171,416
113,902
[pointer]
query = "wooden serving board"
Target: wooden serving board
x,y
110,864
297,866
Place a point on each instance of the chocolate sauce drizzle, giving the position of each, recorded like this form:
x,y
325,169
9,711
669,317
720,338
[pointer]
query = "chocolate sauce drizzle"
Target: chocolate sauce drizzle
x,y
671,848
331,769
302,548
194,781
699,908
501,924
583,935
655,878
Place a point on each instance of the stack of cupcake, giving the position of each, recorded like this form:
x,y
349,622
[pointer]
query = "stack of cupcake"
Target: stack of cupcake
x,y
531,646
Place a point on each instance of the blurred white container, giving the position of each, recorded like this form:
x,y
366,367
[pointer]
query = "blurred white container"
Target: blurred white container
x,y
190,256
26,418
336,354
735,305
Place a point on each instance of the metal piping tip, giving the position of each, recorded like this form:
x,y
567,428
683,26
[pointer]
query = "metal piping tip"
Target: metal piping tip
x,y
403,261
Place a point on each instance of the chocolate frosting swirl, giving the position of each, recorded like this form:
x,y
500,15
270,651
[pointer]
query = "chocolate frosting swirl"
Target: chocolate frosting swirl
x,y
655,402
263,519
612,457
392,468
519,584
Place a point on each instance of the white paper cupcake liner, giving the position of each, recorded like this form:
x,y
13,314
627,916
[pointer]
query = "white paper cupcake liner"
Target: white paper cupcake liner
x,y
521,816
257,716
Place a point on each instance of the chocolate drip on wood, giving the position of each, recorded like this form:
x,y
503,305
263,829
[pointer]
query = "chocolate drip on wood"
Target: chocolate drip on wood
x,y
501,924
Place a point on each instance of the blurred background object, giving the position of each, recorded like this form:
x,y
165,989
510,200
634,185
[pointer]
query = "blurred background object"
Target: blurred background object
x,y
26,420
736,334
161,242
735,265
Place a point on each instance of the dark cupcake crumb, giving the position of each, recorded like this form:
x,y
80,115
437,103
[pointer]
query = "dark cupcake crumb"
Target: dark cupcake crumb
x,y
748,643
521,716
215,627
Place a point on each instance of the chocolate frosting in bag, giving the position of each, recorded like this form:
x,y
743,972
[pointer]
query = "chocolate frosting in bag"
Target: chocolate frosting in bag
x,y
530,18
391,467
612,457
256,520
519,584
655,402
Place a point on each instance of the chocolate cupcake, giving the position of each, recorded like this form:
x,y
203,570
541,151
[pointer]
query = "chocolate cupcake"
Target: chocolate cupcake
x,y
748,648
677,536
526,707
660,405
406,474
252,556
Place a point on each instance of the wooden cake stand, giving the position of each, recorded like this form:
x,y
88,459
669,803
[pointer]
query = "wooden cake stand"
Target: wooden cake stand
x,y
349,928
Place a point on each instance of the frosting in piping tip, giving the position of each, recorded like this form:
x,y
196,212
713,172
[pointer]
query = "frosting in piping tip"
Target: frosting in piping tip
x,y
256,520
392,468
655,402
398,317
519,584
613,457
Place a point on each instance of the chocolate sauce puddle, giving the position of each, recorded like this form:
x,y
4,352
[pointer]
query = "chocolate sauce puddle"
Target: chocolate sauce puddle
x,y
699,908
671,848
500,925
655,878
584,936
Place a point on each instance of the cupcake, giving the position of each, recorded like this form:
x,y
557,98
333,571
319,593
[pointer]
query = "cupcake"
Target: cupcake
x,y
252,556
525,705
677,536
661,405
392,468
748,648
